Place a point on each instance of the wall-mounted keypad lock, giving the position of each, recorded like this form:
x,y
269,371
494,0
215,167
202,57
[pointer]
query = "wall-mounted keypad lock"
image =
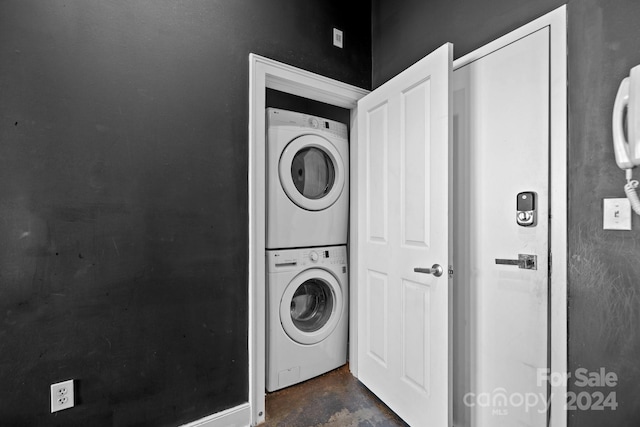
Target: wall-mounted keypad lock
x,y
526,209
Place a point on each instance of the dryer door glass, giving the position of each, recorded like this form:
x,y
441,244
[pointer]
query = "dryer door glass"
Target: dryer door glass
x,y
311,305
313,173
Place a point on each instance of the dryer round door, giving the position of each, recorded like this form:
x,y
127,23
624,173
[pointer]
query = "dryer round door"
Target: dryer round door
x,y
311,306
312,172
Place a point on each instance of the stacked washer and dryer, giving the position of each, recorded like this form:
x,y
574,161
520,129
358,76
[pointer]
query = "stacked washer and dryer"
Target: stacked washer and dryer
x,y
306,255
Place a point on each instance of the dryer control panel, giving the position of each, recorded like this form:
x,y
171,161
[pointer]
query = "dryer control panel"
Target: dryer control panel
x,y
277,117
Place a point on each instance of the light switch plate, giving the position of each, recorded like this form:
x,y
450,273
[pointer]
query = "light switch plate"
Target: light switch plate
x,y
337,38
617,214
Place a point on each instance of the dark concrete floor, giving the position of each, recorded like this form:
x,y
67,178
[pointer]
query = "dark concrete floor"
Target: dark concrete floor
x,y
333,399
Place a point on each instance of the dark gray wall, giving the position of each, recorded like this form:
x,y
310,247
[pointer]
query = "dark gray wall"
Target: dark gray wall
x,y
404,32
604,266
123,197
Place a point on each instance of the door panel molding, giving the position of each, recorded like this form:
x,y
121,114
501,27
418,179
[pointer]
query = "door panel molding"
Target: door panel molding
x,y
414,383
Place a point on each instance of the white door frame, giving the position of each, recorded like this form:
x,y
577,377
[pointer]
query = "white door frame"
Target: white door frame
x,y
265,73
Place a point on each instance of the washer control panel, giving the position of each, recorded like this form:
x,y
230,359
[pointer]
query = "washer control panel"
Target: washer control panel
x,y
323,256
285,259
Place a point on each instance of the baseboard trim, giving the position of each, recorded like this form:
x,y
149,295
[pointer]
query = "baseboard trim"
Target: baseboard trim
x,y
239,416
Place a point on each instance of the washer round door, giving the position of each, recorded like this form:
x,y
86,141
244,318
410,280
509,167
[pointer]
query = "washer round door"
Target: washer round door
x,y
312,172
311,306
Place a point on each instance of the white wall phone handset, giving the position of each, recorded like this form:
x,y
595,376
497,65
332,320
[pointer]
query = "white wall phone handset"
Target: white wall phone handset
x,y
626,132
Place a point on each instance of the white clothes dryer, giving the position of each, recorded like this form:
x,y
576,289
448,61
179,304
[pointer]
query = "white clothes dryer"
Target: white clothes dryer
x,y
307,180
307,317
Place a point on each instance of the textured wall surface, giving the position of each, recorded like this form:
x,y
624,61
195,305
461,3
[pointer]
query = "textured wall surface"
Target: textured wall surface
x,y
604,266
123,197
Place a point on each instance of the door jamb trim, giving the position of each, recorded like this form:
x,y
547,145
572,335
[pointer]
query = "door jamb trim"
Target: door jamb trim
x,y
266,73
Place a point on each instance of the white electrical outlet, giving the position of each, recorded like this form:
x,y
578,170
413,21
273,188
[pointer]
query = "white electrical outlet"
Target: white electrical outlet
x,y
61,396
337,38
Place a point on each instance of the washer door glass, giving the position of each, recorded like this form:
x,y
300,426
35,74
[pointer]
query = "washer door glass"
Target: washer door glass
x,y
312,172
311,306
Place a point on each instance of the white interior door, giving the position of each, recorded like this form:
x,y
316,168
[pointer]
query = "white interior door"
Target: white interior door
x,y
402,192
500,148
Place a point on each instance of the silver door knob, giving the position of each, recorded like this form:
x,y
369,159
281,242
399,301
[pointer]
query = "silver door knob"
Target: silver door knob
x,y
436,270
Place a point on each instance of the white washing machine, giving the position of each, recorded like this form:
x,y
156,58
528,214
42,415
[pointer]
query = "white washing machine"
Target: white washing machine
x,y
307,180
307,321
